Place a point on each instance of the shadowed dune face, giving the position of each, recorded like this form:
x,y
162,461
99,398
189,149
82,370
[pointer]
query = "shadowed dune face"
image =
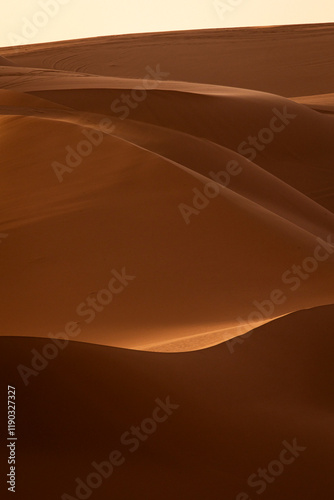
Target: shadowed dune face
x,y
233,407
154,213
88,208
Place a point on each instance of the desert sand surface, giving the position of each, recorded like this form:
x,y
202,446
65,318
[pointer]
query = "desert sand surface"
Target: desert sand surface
x,y
230,57
167,206
232,411
116,205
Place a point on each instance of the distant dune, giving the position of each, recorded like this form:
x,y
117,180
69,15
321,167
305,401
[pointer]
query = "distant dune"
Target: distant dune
x,y
287,60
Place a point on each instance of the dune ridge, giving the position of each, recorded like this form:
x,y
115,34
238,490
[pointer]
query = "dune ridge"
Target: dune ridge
x,y
234,408
267,160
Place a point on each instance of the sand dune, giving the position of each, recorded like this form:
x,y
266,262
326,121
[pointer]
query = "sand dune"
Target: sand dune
x,y
165,193
198,260
125,203
321,102
230,57
234,412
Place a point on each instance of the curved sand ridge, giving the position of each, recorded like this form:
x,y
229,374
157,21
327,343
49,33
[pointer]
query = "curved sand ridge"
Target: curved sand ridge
x,y
231,414
198,277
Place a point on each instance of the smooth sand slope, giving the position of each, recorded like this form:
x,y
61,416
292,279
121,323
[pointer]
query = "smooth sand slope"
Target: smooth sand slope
x,y
123,202
235,411
287,60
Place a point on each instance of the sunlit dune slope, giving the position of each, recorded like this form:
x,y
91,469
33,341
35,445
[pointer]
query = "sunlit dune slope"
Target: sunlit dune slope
x,y
213,203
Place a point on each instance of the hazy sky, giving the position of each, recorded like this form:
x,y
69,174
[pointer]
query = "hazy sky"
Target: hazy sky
x,y
34,21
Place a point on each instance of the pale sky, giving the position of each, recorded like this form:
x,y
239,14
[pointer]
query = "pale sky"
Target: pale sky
x,y
35,21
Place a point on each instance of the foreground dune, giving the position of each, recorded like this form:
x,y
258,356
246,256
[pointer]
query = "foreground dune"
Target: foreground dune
x,y
233,407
